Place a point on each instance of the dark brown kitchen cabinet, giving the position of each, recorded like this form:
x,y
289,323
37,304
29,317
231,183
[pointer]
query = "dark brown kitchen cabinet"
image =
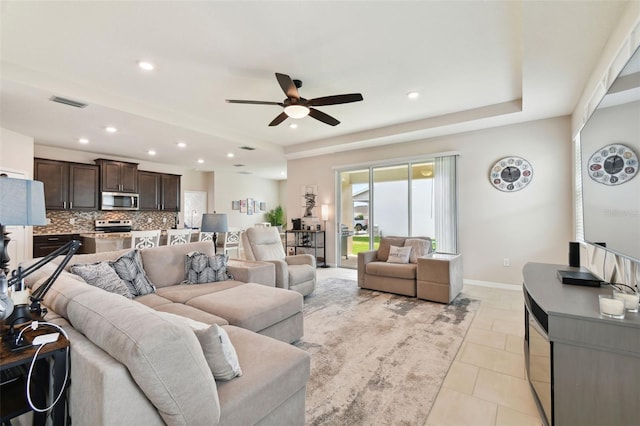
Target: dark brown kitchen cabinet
x,y
68,186
46,244
159,191
118,176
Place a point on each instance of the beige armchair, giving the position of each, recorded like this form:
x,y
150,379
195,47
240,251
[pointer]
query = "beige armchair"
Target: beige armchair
x,y
292,272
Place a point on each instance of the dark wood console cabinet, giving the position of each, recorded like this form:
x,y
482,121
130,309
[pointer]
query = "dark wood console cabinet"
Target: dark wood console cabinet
x,y
584,369
159,191
68,186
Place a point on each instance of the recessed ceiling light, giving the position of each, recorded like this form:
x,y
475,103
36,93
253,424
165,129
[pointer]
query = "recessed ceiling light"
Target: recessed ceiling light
x,y
110,129
413,95
282,173
230,155
293,126
147,66
83,140
200,160
181,144
151,152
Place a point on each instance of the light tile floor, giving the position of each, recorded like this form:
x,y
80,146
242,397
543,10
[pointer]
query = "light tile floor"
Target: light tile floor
x,y
486,384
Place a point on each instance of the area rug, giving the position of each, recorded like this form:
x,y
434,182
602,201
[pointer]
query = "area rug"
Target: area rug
x,y
377,358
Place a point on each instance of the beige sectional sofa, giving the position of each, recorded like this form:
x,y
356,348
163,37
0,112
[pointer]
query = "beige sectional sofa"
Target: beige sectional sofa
x,y
133,364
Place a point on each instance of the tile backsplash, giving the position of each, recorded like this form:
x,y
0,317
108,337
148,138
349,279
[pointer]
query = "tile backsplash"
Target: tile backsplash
x,y
76,222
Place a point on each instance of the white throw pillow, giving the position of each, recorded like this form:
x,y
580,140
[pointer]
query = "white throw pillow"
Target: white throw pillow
x,y
219,352
399,254
215,343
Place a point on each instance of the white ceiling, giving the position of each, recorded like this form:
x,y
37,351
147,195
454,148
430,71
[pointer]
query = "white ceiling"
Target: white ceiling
x,y
476,64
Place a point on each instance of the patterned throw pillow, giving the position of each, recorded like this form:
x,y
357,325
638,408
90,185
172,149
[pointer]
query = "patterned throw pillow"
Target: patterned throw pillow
x,y
101,275
129,269
399,254
201,268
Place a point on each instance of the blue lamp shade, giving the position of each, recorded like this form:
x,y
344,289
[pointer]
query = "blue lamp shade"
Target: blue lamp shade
x,y
21,202
214,222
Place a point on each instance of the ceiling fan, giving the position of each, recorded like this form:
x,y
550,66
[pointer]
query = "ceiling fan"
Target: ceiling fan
x,y
296,106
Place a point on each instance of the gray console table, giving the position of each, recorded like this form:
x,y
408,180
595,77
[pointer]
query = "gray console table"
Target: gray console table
x,y
594,374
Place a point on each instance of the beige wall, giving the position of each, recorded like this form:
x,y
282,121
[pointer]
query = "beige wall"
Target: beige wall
x,y
16,155
530,225
235,186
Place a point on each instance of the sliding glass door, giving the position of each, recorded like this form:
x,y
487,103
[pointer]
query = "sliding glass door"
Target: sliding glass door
x,y
414,198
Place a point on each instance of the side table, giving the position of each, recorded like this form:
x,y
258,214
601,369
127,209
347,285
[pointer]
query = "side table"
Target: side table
x,y
439,277
14,400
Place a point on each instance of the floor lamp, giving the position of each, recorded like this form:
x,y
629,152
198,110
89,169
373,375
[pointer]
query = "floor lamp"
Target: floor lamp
x,y
324,215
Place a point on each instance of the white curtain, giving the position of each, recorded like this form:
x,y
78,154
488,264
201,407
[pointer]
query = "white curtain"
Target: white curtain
x,y
446,204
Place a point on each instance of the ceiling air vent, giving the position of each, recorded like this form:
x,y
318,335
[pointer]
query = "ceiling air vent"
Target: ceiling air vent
x,y
244,173
66,101
248,148
238,165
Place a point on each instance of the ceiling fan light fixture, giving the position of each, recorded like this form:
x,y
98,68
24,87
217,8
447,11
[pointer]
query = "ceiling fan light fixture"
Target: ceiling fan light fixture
x,y
296,111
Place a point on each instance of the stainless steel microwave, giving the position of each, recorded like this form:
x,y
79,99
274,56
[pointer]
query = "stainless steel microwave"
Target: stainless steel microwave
x,y
119,201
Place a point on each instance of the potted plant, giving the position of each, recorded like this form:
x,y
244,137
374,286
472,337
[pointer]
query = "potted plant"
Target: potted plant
x,y
276,217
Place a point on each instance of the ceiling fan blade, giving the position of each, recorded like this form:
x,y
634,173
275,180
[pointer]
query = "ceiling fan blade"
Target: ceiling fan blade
x,y
321,116
288,86
279,119
336,99
236,101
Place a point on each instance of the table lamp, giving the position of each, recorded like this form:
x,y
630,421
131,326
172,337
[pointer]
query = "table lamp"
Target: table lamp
x,y
214,222
21,204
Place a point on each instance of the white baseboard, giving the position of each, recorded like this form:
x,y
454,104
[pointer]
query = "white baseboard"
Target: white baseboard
x,y
491,284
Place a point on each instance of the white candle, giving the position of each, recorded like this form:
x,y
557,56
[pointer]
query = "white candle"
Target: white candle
x,y
611,306
630,300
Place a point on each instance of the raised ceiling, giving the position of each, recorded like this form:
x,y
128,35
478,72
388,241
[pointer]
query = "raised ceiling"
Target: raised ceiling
x,y
476,64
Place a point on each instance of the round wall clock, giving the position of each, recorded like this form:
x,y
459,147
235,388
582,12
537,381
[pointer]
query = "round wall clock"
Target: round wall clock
x,y
613,164
511,174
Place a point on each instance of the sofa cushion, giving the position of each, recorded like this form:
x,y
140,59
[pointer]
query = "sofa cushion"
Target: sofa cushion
x,y
251,306
183,293
66,287
301,273
165,264
151,348
201,268
399,254
419,248
191,313
267,381
265,243
129,268
103,276
385,246
394,270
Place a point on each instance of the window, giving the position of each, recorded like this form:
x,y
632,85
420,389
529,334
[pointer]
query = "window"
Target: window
x,y
414,198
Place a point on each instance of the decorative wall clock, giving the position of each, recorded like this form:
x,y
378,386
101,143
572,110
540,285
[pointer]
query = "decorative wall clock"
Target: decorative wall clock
x,y
511,174
613,164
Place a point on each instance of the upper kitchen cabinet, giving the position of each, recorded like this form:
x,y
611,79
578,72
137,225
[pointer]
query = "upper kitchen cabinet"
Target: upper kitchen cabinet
x,y
68,186
118,176
159,191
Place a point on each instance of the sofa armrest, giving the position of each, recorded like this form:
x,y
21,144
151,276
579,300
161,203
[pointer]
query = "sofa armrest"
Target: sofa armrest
x,y
301,259
282,274
365,257
252,271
